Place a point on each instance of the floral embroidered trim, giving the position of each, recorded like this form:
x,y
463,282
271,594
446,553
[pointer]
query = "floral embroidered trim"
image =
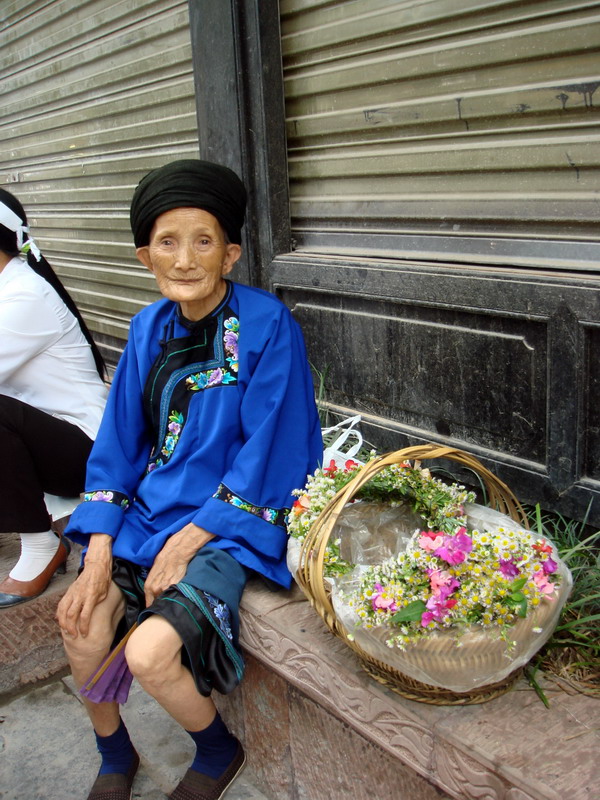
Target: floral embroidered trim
x,y
196,382
208,379
220,376
230,339
174,428
227,638
116,498
222,613
275,516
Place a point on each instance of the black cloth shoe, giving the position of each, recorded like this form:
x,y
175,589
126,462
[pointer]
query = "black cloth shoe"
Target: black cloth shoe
x,y
196,786
115,785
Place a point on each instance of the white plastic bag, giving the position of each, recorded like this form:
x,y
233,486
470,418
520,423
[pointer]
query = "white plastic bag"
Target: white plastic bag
x,y
348,433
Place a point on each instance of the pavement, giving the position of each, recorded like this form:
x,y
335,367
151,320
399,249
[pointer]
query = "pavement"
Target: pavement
x,y
47,748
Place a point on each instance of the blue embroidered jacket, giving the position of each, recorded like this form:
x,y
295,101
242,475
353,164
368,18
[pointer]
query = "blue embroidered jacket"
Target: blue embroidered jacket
x,y
212,422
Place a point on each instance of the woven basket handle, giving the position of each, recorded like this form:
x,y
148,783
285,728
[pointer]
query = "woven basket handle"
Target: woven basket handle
x,y
312,556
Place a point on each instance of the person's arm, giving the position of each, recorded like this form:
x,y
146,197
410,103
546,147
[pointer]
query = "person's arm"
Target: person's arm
x,y
116,463
119,455
28,326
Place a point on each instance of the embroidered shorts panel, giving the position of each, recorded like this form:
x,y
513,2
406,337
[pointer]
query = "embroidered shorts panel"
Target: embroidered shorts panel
x,y
202,621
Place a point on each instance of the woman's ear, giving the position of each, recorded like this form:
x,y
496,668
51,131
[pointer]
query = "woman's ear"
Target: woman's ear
x,y
232,254
143,254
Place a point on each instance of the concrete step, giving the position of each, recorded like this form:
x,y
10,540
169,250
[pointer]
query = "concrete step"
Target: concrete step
x,y
47,750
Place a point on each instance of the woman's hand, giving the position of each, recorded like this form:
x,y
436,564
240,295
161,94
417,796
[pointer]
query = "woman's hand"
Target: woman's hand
x,y
170,565
91,587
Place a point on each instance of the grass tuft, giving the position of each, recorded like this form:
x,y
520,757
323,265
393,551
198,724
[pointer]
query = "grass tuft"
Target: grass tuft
x,y
573,651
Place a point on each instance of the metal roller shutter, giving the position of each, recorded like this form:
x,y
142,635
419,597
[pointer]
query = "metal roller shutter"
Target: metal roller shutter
x,y
94,94
434,128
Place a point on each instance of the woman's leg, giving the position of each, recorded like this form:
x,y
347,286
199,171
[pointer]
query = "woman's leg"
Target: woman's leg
x,y
154,656
119,759
40,453
85,655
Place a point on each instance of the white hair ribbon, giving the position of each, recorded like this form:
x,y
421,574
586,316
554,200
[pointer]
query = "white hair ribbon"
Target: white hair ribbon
x,y
14,223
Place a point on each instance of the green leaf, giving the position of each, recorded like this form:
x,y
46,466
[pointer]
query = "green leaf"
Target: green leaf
x,y
517,584
410,613
517,596
530,672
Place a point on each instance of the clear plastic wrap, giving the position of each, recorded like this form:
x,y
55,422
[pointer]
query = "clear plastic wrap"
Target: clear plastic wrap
x,y
455,660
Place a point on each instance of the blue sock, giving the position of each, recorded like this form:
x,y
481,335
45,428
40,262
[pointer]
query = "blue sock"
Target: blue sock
x,y
215,748
116,750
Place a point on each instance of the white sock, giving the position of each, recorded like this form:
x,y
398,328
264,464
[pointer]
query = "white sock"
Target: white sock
x,y
37,551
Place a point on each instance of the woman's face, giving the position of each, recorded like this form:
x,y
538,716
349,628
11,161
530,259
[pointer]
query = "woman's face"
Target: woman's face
x,y
188,255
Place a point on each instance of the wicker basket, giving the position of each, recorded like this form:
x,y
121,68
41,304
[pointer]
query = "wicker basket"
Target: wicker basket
x,y
310,572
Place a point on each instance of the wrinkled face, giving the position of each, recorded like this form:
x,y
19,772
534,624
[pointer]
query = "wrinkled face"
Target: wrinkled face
x,y
189,257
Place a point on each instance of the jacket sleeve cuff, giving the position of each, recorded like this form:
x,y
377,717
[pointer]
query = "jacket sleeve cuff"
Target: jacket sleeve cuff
x,y
94,517
233,523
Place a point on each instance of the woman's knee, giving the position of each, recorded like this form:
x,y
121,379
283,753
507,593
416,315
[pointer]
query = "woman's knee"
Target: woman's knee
x,y
153,652
103,625
93,647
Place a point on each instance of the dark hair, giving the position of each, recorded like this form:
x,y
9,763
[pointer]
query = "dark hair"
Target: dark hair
x,y
9,245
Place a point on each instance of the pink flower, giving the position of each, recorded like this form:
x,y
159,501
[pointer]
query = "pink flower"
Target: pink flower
x,y
549,566
350,465
508,568
542,583
430,540
426,618
438,608
382,602
456,548
442,583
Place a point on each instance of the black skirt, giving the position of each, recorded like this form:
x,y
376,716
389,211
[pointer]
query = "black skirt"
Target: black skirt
x,y
204,610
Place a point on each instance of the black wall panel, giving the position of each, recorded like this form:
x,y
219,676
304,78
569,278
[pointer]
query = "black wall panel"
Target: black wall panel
x,y
503,364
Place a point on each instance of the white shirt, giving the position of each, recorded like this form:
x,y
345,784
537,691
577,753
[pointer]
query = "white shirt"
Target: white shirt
x,y
45,360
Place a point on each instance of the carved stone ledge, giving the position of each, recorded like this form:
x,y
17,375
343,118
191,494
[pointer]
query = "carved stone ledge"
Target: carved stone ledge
x,y
511,748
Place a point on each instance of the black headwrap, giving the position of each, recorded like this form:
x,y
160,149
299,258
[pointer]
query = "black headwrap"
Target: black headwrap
x,y
189,183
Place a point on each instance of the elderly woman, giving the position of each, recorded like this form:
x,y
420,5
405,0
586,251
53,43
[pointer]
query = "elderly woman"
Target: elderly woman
x,y
52,395
209,425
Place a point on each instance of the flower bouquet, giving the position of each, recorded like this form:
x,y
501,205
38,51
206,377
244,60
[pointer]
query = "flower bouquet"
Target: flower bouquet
x,y
442,599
